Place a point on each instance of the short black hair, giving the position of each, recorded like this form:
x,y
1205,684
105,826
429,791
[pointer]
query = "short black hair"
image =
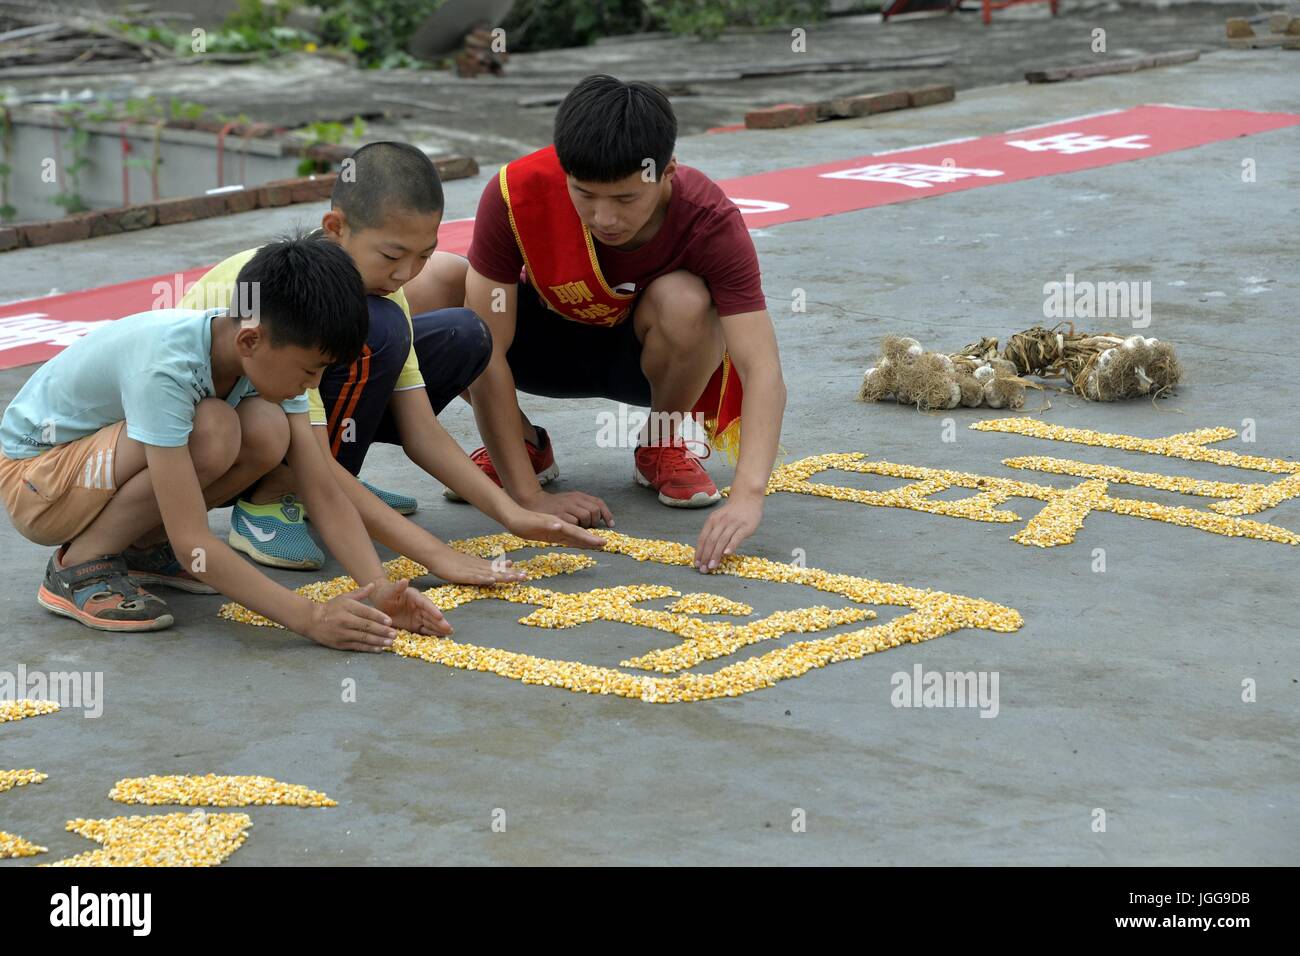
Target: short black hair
x,y
606,129
306,291
386,177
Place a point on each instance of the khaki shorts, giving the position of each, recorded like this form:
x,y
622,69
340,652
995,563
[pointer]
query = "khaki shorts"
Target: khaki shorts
x,y
54,496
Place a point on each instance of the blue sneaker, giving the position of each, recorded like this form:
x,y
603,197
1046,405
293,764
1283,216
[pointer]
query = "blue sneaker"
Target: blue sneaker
x,y
402,504
273,534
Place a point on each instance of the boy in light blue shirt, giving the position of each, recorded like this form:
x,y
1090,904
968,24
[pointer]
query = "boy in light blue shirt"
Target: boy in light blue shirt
x,y
116,448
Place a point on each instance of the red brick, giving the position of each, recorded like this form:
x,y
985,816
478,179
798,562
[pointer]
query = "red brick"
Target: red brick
x,y
867,103
108,222
189,208
329,152
67,229
9,238
456,167
930,95
779,117
1239,27
241,200
273,194
104,223
311,188
138,217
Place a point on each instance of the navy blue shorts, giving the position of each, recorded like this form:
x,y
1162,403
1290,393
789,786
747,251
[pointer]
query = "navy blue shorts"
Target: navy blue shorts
x,y
453,347
560,358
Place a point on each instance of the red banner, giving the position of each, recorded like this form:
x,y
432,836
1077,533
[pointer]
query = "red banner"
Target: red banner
x,y
36,329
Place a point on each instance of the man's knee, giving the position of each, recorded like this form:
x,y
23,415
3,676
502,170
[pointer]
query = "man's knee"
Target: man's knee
x,y
450,271
264,434
214,439
680,307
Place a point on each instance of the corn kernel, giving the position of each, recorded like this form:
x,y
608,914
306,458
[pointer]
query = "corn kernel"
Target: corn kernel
x,y
934,614
702,603
172,839
20,778
19,709
1066,508
212,790
12,847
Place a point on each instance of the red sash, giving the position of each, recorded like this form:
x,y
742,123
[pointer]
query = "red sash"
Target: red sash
x,y
560,258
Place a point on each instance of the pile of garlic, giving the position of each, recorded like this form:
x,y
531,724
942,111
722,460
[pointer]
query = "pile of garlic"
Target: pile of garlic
x,y
934,380
1127,368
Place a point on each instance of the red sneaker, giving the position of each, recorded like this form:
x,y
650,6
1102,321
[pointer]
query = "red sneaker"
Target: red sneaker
x,y
676,473
542,457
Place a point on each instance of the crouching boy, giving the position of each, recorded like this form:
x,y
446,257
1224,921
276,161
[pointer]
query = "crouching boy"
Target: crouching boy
x,y
115,449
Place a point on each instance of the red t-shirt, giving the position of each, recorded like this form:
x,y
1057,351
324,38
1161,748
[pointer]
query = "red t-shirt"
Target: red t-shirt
x,y
703,233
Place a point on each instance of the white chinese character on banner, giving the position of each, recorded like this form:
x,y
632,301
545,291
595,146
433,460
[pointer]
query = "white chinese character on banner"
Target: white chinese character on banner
x,y
754,206
914,175
1071,143
34,329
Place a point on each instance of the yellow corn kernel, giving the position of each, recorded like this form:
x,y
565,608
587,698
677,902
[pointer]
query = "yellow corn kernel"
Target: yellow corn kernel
x,y
171,839
12,847
212,790
20,778
18,709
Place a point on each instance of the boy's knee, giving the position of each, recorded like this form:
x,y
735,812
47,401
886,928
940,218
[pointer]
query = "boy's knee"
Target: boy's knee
x,y
214,440
453,346
264,434
472,335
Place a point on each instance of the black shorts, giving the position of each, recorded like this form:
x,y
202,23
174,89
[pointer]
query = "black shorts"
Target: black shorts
x,y
560,358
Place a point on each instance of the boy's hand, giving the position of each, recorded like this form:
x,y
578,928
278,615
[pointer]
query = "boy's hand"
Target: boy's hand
x,y
536,526
345,624
575,507
726,528
466,569
408,608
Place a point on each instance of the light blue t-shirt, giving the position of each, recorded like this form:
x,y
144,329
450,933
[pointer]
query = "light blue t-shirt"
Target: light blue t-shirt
x,y
150,369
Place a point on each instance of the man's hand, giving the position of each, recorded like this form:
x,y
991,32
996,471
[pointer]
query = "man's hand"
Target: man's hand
x,y
345,624
535,526
459,568
726,528
408,608
575,507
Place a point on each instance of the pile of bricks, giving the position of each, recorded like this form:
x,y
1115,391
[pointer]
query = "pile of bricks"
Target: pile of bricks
x,y
165,212
847,107
1283,31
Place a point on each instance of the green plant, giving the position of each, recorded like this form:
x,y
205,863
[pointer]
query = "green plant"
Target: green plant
x,y
708,18
327,134
549,24
153,162
70,196
253,27
376,31
185,110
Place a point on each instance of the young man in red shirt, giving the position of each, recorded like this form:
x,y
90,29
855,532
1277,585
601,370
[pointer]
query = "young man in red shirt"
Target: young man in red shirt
x,y
606,269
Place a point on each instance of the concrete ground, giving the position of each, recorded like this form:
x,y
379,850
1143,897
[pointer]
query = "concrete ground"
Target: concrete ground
x,y
1123,690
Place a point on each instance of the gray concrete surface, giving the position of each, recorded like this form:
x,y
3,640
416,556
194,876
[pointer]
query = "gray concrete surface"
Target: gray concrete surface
x,y
1123,690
